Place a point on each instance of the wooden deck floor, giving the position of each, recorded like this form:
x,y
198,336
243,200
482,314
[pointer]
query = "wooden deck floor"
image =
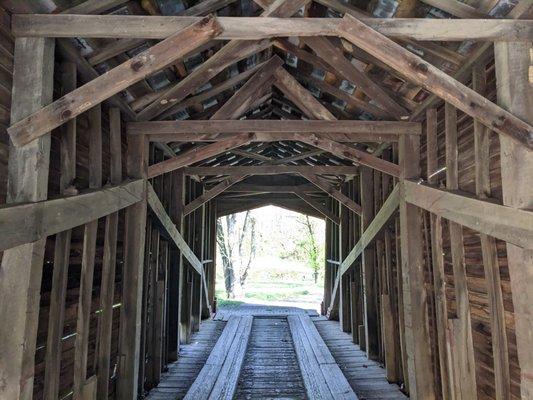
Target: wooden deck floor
x,y
367,378
270,369
181,374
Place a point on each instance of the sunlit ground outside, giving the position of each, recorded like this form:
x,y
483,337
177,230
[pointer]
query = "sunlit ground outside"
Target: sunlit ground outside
x,y
270,256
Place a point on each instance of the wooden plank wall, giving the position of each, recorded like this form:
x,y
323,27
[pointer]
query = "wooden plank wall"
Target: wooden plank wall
x,y
75,260
159,342
477,285
6,80
172,289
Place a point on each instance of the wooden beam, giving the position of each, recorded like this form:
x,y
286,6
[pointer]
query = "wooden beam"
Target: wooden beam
x,y
231,53
317,206
350,98
322,377
205,7
297,157
513,60
228,55
119,78
241,100
22,266
416,323
460,326
256,28
58,291
94,6
231,206
380,219
81,345
300,96
369,267
159,211
88,73
109,262
176,128
49,217
329,189
198,154
436,81
439,276
255,188
273,136
132,275
251,154
503,222
271,170
204,95
219,376
489,251
456,8
378,223
353,154
212,193
334,56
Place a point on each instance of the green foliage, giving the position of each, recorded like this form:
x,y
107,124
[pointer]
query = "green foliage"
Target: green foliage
x,y
287,259
228,303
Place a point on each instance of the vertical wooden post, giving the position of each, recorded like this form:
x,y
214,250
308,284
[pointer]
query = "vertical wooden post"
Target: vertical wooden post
x,y
205,309
196,245
94,117
160,310
61,250
145,297
107,287
417,341
378,267
132,276
489,251
153,372
212,252
355,292
327,266
368,263
344,284
515,95
185,293
403,369
439,277
175,212
22,266
463,350
389,300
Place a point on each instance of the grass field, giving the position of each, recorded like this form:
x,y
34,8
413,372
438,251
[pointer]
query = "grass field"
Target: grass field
x,y
303,291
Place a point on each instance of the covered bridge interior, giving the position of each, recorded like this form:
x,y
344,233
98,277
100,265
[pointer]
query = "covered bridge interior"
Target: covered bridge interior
x,y
129,127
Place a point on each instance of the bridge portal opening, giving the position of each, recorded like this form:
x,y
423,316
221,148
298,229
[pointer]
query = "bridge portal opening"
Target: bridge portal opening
x,y
270,256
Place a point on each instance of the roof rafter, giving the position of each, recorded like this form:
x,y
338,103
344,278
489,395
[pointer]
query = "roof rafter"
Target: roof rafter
x,y
436,81
101,88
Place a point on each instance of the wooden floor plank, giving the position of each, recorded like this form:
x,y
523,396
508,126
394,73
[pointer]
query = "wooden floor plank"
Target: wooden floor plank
x,y
181,374
270,369
322,376
287,356
367,378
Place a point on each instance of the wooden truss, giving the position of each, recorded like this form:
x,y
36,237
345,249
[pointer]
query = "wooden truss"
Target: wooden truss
x,y
230,144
